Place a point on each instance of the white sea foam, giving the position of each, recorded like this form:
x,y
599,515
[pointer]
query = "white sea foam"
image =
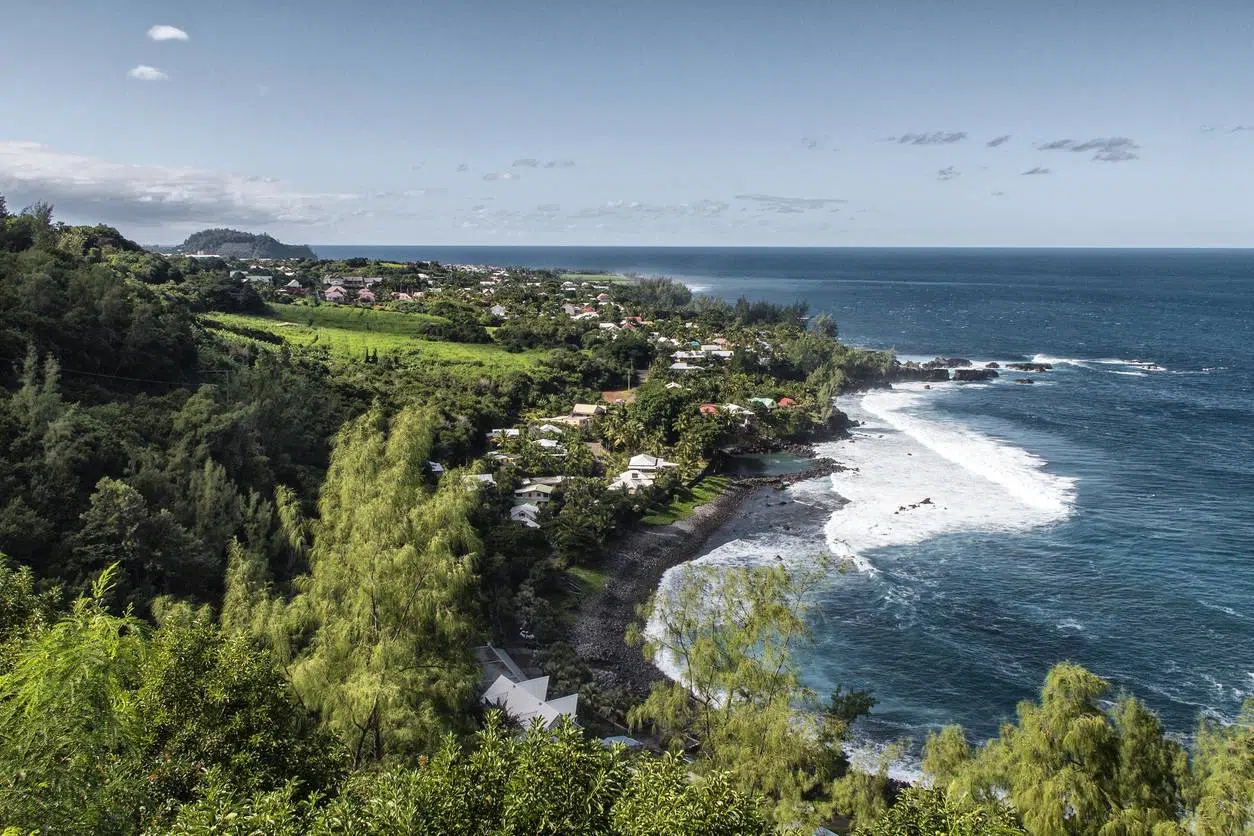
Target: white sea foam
x,y
1095,363
899,458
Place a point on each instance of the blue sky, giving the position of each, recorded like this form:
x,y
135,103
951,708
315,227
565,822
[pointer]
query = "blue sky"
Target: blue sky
x,y
683,122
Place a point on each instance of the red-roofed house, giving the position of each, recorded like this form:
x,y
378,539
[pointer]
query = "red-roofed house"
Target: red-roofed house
x,y
787,402
709,409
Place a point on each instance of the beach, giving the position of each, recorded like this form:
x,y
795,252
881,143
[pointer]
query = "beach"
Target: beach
x,y
636,563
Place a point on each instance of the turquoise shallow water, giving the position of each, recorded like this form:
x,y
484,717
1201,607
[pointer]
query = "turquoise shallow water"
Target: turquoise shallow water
x,y
1102,514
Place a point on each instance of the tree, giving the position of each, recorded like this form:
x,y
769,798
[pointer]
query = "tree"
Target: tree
x,y
546,783
1067,767
929,812
730,633
213,701
1221,789
390,599
69,728
24,613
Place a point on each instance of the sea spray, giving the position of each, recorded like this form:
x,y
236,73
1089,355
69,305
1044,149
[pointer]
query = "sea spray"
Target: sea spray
x,y
911,478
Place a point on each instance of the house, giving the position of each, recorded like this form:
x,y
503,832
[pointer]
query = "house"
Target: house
x,y
737,409
587,410
551,446
498,435
586,315
402,297
647,463
365,295
528,702
293,287
499,312
711,347
535,494
479,480
708,409
674,385
722,354
786,402
436,468
685,367
631,481
769,403
498,456
544,480
602,298
721,341
688,355
259,278
525,514
608,326
549,429
571,310
335,293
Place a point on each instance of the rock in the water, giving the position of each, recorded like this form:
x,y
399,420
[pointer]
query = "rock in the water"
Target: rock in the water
x,y
947,363
973,375
1024,380
1029,367
992,365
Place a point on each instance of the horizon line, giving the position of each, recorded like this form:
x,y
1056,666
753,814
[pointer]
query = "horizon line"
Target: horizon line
x,y
811,246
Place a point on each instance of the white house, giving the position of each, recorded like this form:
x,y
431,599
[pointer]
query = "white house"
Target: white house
x,y
479,480
535,494
551,445
525,514
527,701
499,311
648,464
685,367
497,435
631,481
437,469
549,429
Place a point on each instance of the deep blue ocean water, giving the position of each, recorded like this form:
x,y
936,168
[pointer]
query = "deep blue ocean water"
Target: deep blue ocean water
x,y
1103,514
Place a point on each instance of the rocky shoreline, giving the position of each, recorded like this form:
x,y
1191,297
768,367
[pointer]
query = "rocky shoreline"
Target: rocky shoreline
x,y
634,566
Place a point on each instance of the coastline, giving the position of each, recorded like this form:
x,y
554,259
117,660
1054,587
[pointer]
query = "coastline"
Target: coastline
x,y
635,564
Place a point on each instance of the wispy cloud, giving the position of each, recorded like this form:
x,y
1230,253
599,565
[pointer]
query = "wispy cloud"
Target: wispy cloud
x,y
492,176
948,173
146,73
1113,149
560,164
998,141
526,162
933,138
463,167
999,194
790,205
628,209
163,32
89,188
1031,172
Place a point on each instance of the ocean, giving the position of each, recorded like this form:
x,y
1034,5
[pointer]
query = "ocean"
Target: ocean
x,y
1102,514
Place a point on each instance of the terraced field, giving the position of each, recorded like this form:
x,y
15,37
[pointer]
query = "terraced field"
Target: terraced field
x,y
351,332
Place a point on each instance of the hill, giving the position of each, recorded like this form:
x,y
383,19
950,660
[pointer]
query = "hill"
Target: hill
x,y
233,243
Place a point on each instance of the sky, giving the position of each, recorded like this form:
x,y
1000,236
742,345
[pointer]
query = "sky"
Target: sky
x,y
655,122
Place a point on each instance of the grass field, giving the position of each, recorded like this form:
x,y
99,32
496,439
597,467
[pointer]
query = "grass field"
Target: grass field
x,y
591,581
595,278
351,332
687,500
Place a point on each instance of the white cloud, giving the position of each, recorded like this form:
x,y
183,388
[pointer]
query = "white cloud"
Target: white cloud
x,y
500,175
146,73
91,189
162,32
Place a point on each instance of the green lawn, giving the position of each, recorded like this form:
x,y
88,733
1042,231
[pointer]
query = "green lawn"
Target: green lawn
x,y
592,580
351,331
687,500
595,278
